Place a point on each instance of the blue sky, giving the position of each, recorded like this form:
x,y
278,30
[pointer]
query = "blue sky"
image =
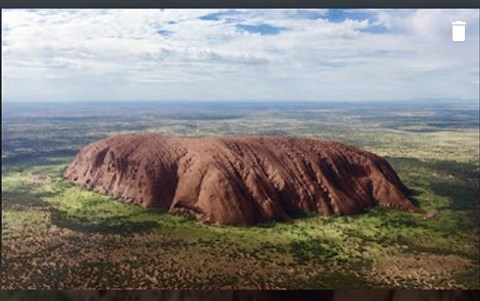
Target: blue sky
x,y
237,55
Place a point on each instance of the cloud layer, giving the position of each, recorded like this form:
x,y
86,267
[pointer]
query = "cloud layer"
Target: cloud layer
x,y
323,55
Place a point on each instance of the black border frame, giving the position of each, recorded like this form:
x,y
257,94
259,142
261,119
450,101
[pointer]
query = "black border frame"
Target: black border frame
x,y
257,4
240,4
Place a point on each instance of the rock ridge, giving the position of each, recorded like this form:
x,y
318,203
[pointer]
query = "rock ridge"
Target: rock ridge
x,y
238,181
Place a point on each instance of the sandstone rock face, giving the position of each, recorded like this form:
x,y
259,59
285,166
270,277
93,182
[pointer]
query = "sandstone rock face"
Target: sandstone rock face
x,y
238,181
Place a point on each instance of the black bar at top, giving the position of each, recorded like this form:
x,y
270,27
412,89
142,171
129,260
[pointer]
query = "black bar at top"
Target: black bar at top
x,y
240,3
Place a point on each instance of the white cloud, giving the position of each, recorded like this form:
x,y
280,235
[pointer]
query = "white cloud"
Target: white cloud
x,y
274,54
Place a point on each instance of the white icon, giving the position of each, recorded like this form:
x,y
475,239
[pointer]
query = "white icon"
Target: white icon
x,y
458,31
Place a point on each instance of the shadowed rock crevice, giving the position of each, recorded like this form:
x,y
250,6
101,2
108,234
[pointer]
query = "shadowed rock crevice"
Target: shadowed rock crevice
x,y
238,181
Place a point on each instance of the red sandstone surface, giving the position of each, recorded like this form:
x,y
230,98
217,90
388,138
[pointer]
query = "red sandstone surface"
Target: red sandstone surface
x,y
238,181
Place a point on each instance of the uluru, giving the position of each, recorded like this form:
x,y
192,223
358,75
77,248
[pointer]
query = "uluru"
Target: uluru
x,y
238,180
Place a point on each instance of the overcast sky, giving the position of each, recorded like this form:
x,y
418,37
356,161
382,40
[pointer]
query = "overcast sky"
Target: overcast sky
x,y
237,55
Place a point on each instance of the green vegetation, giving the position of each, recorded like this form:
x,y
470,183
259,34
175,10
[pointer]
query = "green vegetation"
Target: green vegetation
x,y
56,235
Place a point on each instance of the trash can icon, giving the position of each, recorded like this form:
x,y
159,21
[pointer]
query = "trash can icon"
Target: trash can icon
x,y
458,31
